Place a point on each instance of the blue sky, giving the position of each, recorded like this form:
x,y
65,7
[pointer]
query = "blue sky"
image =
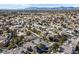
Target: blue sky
x,y
22,6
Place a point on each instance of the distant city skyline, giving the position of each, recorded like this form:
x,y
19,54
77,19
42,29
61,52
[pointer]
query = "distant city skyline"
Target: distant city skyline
x,y
22,6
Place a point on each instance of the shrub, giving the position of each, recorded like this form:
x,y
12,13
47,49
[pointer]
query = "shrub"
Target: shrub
x,y
54,38
63,39
77,48
15,41
28,33
55,47
36,31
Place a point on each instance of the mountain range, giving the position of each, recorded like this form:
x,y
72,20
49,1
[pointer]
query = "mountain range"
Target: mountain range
x,y
56,8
